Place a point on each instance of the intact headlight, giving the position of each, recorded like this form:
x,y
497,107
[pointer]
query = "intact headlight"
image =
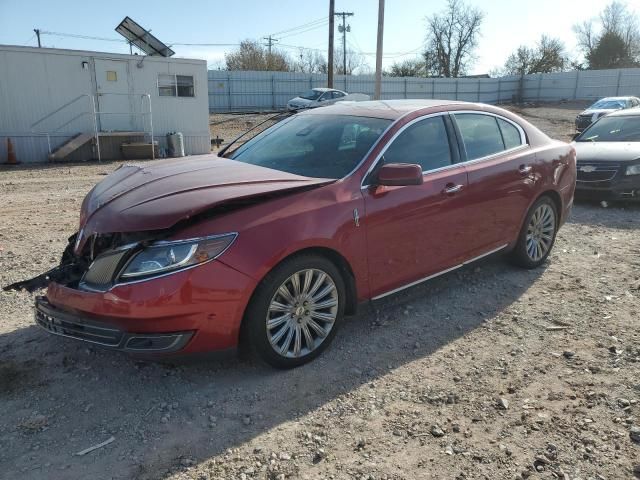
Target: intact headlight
x,y
162,257
633,170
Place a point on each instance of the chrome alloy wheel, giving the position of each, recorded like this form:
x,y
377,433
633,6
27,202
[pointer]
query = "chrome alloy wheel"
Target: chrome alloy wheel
x,y
302,312
540,232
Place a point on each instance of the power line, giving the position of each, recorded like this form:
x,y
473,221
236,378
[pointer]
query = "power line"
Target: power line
x,y
323,19
83,37
30,38
204,44
179,44
315,27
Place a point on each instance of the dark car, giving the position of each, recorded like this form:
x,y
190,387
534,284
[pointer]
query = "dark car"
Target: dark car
x,y
603,107
329,208
609,157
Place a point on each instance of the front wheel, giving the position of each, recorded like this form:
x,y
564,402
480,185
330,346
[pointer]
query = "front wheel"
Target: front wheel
x,y
295,311
538,234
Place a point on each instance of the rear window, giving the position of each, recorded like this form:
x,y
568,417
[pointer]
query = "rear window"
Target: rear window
x,y
480,134
510,134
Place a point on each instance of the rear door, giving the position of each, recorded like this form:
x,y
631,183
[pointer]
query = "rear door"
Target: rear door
x,y
413,231
501,172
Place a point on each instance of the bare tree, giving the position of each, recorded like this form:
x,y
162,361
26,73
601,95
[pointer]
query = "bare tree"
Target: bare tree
x,y
407,68
612,40
251,55
452,37
356,63
548,55
311,61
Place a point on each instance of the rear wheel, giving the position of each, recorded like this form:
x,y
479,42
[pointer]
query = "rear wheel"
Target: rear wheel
x,y
294,313
538,234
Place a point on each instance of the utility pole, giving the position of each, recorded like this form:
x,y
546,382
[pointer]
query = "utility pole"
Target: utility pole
x,y
37,30
376,95
332,6
270,41
344,28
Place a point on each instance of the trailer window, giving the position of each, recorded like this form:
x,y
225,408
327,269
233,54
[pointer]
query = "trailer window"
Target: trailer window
x,y
176,86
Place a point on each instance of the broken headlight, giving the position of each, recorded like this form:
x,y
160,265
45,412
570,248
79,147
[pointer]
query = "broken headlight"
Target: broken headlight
x,y
162,257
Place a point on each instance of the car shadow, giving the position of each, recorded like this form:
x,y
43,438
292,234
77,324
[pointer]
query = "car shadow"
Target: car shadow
x,y
164,413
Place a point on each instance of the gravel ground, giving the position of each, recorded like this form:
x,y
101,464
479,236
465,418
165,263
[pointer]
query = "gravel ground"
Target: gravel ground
x,y
490,372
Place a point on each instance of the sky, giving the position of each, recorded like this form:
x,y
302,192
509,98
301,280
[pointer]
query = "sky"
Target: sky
x,y
508,24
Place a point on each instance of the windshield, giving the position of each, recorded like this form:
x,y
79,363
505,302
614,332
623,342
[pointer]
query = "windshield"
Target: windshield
x,y
607,104
613,129
311,94
318,146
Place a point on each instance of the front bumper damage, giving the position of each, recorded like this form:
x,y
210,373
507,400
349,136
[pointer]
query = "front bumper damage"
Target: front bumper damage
x,y
65,324
195,310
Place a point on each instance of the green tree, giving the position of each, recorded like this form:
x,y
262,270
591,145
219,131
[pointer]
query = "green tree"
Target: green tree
x,y
610,51
616,33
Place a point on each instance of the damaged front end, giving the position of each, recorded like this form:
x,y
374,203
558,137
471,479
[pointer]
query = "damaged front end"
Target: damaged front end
x,y
70,270
95,267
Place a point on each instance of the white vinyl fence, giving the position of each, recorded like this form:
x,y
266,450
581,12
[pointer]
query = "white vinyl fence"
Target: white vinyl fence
x,y
238,91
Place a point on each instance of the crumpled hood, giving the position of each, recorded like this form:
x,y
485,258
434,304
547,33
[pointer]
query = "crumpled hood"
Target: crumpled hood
x,y
156,196
607,151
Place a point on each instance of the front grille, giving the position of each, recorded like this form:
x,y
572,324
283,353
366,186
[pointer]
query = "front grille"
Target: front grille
x,y
596,171
67,327
103,269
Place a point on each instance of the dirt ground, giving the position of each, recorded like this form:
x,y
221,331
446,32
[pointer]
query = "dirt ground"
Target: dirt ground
x,y
490,372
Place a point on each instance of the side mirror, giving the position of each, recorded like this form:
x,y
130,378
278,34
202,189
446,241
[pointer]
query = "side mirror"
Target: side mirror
x,y
400,174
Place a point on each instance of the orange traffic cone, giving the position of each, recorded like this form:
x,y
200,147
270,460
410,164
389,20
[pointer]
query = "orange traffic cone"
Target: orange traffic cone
x,y
11,155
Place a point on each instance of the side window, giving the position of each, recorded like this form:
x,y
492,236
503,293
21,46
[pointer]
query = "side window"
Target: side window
x,y
337,94
510,134
480,134
425,142
325,96
175,85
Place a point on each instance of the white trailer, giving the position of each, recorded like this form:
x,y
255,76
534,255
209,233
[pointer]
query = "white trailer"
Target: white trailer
x,y
78,105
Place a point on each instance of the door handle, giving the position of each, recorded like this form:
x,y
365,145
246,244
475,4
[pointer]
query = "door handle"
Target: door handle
x,y
451,188
525,169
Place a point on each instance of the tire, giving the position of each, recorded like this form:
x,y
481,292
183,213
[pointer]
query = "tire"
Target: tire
x,y
294,336
538,234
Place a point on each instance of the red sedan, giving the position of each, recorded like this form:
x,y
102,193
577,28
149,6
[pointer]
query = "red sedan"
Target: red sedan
x,y
275,241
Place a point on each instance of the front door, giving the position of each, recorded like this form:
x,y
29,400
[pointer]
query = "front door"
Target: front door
x,y
414,231
114,102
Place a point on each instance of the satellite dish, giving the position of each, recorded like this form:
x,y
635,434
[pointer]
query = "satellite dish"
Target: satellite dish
x,y
141,38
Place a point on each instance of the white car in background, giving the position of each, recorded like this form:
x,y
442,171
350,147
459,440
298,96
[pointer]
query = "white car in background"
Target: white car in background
x,y
319,97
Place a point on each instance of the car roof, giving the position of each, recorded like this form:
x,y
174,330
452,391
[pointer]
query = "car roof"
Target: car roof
x,y
615,98
322,89
389,109
629,112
